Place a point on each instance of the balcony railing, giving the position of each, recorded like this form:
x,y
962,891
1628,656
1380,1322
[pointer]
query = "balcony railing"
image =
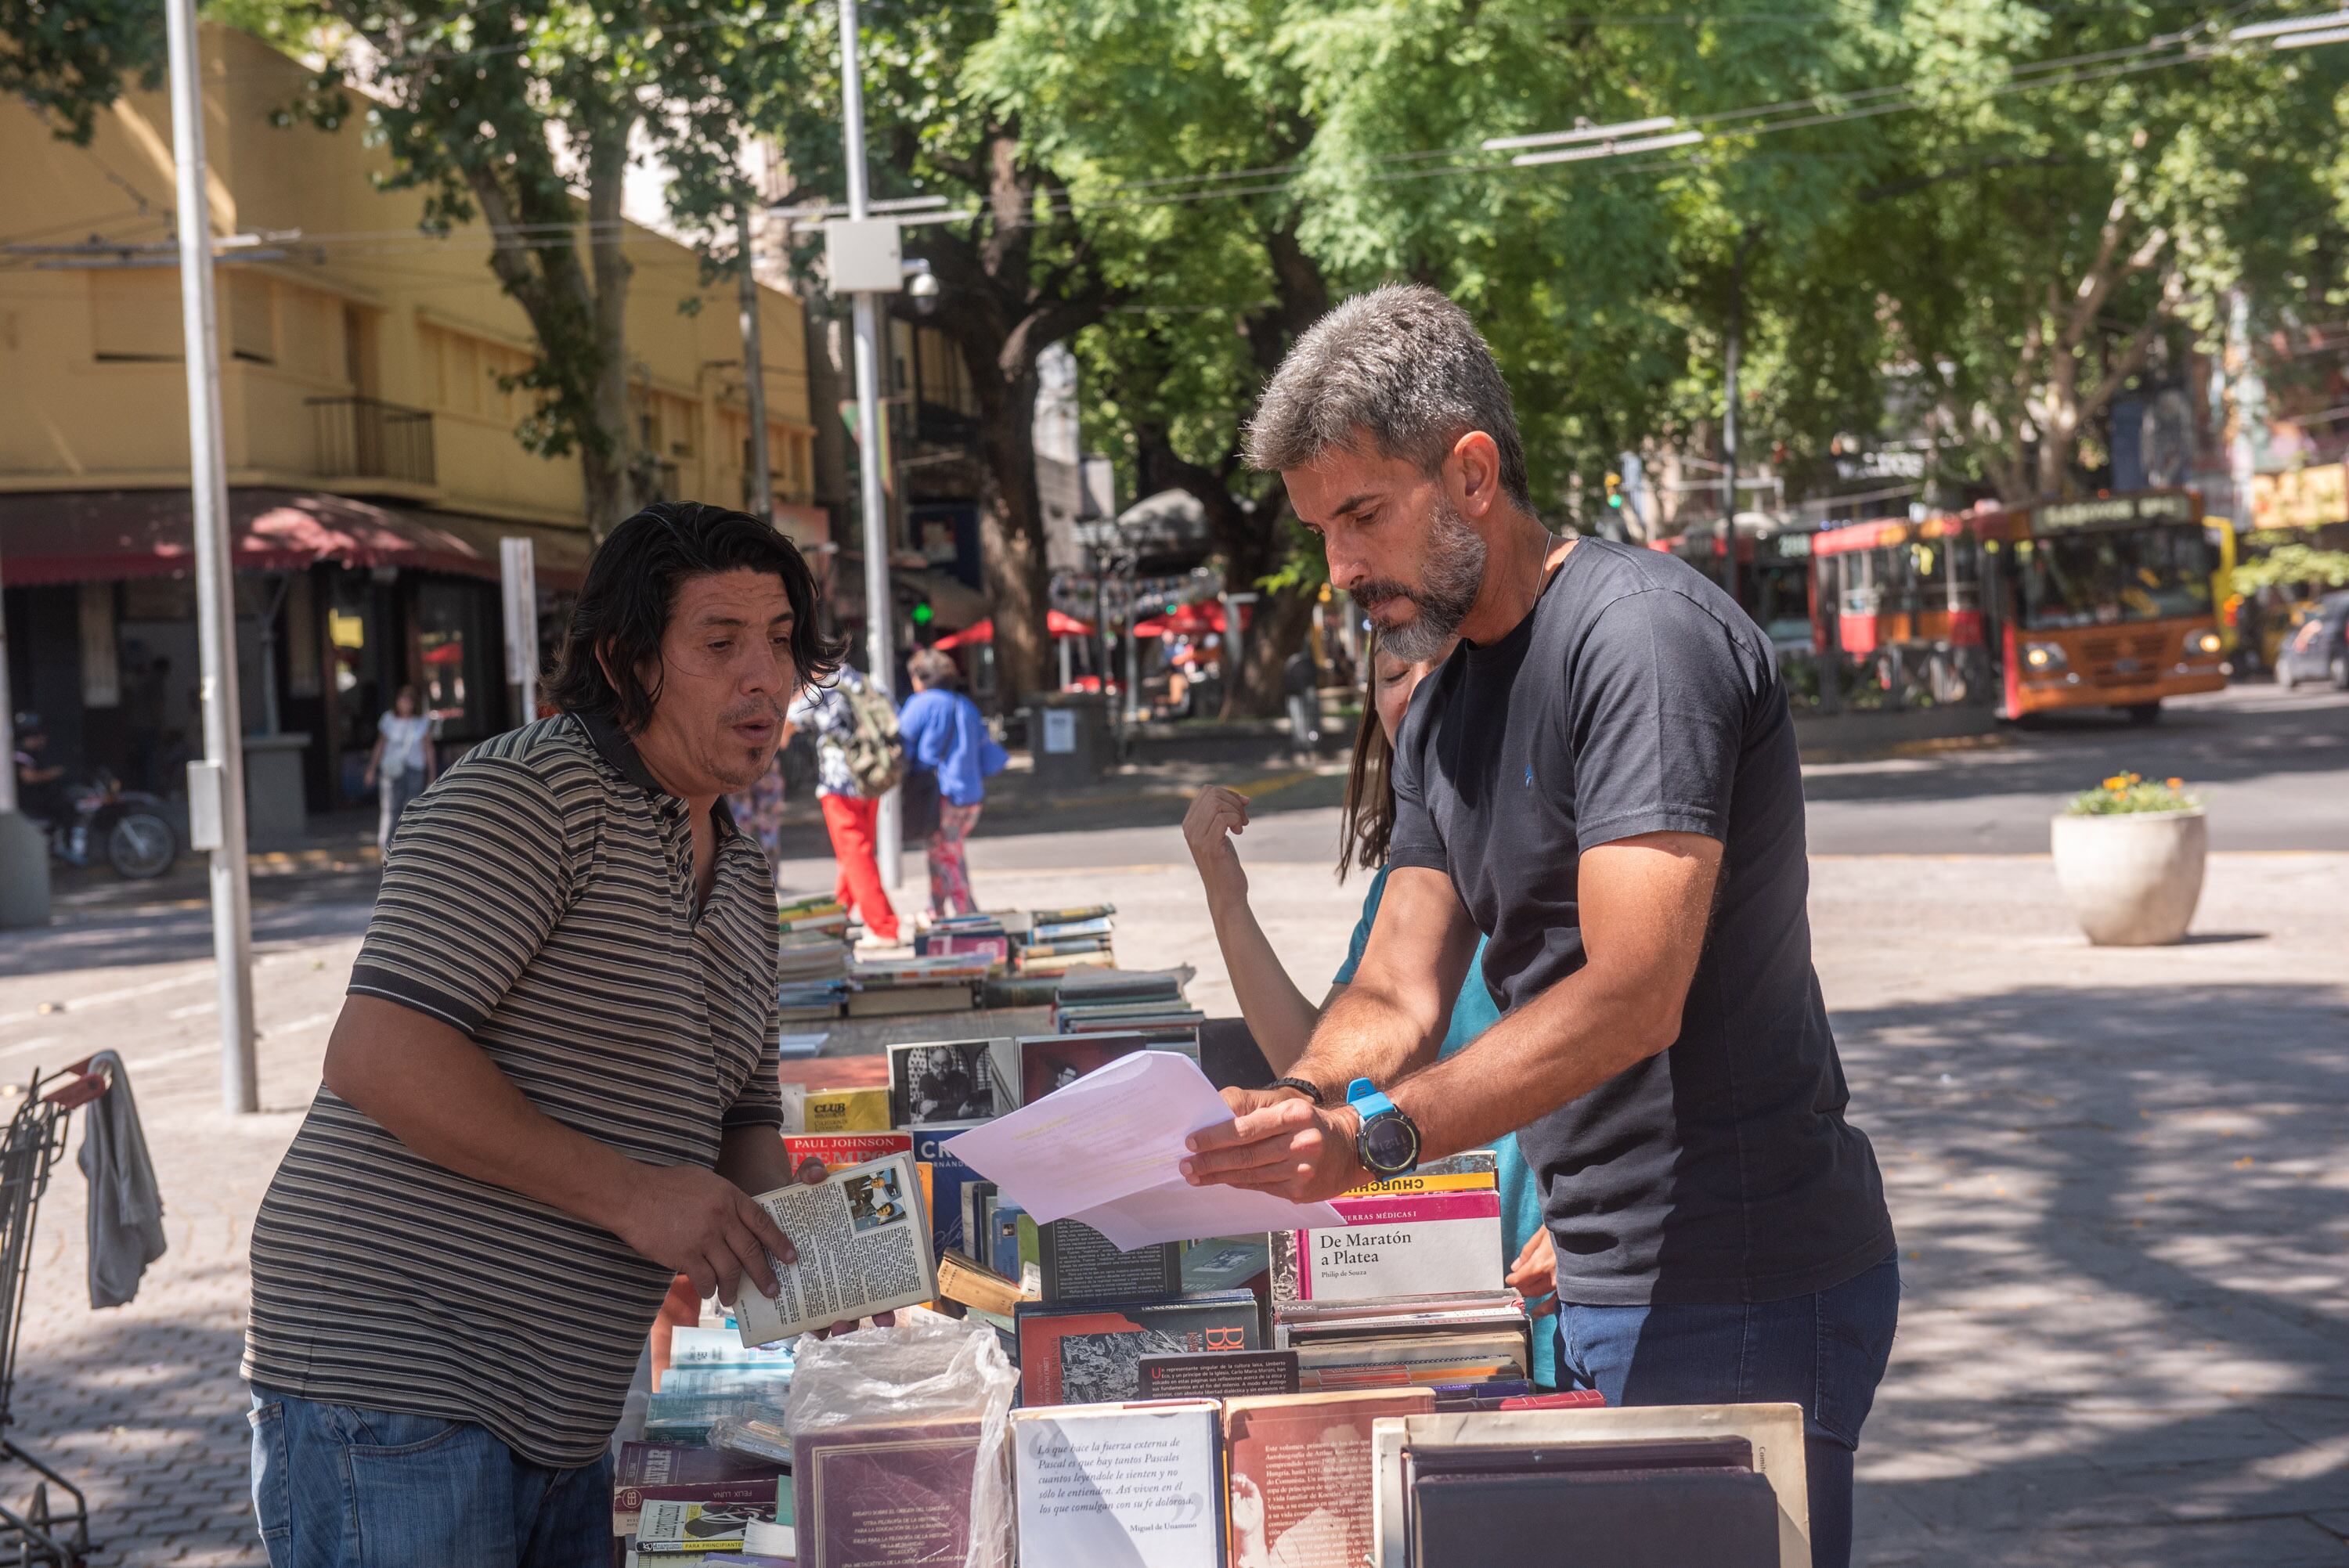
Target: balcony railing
x,y
367,439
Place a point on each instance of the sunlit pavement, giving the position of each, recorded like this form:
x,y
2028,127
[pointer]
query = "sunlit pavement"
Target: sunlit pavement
x,y
2119,1180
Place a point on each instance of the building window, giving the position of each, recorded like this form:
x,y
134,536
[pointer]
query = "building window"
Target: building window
x,y
134,315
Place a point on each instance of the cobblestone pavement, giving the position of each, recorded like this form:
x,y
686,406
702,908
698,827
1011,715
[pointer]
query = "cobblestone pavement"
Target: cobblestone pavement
x,y
2118,1176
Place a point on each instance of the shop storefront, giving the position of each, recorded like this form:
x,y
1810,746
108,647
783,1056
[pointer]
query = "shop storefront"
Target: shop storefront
x,y
339,603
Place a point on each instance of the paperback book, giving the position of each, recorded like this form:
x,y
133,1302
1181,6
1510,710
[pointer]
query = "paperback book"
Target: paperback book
x,y
863,1247
835,1110
1138,1485
1075,1263
1300,1475
932,1081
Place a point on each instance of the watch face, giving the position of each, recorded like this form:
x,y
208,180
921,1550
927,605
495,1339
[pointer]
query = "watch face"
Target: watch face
x,y
1390,1144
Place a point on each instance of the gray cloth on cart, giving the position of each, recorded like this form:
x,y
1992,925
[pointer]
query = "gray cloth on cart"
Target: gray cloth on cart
x,y
125,1212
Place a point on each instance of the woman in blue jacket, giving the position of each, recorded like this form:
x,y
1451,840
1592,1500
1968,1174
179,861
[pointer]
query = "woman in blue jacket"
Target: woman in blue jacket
x,y
946,734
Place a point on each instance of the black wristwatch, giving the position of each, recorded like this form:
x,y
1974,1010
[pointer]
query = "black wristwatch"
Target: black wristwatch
x,y
1387,1143
1311,1091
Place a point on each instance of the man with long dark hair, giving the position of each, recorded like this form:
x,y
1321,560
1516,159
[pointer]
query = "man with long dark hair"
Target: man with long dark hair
x,y
551,1089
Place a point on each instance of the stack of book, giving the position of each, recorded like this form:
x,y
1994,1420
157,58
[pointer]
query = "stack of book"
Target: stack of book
x,y
892,988
1055,941
981,935
1722,1485
676,1499
1091,1001
812,957
1410,1291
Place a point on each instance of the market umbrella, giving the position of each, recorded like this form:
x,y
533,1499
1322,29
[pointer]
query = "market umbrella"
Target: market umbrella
x,y
1059,625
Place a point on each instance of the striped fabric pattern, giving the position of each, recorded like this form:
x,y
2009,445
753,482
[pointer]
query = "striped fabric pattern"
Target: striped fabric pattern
x,y
540,898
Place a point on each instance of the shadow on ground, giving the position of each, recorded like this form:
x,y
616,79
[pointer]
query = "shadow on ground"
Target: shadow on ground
x,y
90,940
2126,1334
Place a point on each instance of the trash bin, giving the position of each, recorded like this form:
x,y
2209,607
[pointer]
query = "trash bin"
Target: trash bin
x,y
1068,736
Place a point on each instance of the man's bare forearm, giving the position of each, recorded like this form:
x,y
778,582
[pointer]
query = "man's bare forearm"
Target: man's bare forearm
x,y
431,1088
752,1159
1366,1033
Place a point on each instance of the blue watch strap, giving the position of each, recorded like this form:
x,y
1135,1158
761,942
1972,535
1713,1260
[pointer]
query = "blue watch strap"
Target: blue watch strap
x,y
1366,1100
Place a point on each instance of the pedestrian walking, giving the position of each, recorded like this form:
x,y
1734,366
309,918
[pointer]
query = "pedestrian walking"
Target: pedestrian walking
x,y
1281,1018
946,735
1300,690
1602,782
403,763
758,811
551,1089
860,757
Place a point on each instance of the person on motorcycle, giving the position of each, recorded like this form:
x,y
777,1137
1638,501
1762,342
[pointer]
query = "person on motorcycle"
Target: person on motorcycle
x,y
40,784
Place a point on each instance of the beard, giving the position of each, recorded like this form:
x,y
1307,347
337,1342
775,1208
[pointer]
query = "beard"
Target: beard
x,y
734,766
1454,574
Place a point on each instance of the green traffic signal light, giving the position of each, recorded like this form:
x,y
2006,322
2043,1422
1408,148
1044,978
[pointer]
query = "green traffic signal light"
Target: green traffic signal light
x,y
922,613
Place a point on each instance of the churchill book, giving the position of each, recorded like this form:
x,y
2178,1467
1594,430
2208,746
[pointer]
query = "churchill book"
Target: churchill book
x,y
863,1246
1434,1233
1138,1485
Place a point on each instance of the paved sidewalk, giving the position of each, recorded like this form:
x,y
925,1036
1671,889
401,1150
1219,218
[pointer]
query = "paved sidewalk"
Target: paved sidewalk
x,y
2119,1179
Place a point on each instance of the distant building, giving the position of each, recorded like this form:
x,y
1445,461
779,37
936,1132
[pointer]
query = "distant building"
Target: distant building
x,y
372,458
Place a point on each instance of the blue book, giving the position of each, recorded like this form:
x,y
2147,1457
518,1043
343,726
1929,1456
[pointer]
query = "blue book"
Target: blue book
x,y
948,1176
1003,1238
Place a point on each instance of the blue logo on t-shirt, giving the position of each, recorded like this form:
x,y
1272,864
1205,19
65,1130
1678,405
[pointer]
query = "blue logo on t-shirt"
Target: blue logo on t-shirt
x,y
1529,776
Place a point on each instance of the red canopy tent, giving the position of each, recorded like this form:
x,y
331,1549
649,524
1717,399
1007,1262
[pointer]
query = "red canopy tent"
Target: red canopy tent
x,y
1059,625
1191,620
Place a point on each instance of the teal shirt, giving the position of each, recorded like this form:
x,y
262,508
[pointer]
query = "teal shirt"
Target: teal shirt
x,y
1472,1013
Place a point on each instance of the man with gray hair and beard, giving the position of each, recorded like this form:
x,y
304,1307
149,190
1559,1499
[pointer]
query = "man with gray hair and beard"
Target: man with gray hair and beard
x,y
1603,781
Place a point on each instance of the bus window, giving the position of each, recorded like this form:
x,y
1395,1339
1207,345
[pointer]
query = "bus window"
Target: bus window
x,y
2110,578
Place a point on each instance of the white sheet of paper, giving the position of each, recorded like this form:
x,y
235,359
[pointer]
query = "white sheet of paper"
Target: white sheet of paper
x,y
1107,1150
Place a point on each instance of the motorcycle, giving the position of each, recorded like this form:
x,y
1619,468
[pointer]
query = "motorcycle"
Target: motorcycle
x,y
138,839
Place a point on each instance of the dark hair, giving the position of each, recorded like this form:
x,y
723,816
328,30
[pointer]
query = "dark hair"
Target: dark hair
x,y
632,586
1366,820
934,668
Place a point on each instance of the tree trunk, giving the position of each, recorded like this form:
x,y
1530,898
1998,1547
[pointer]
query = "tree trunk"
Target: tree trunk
x,y
614,483
1012,536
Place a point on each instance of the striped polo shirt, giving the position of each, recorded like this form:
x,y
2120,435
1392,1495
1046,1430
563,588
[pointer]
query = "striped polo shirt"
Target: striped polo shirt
x,y
540,897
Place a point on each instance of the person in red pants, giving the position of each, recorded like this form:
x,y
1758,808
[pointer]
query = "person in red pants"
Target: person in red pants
x,y
848,812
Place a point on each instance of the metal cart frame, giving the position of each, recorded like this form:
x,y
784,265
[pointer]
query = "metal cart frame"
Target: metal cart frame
x,y
35,1137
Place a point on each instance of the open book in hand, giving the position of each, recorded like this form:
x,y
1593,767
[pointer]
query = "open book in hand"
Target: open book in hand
x,y
863,1247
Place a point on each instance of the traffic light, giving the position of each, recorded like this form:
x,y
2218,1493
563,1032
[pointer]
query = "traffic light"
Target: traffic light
x,y
921,615
1615,490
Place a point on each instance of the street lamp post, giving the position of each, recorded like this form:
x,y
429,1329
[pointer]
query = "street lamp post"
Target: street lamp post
x,y
754,376
880,631
215,784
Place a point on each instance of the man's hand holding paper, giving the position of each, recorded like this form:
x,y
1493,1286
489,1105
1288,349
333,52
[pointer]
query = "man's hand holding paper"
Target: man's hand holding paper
x,y
1108,1149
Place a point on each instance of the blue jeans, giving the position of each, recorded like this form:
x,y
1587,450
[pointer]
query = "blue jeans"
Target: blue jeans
x,y
1824,1352
335,1487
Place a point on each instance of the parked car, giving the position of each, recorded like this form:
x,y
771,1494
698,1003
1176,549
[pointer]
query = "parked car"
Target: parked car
x,y
2317,648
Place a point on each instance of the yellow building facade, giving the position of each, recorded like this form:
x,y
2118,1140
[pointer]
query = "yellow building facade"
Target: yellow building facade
x,y
370,432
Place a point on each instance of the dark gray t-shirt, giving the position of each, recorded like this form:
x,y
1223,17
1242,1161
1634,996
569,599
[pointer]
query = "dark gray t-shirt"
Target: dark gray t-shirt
x,y
1638,699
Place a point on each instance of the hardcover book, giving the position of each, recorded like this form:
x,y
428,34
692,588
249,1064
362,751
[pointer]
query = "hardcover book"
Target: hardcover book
x,y
1076,1263
1136,1485
1081,1355
672,1472
838,1149
884,1496
1219,1375
1300,1476
932,1081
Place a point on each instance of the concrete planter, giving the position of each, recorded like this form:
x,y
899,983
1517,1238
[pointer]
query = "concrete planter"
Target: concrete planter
x,y
2132,879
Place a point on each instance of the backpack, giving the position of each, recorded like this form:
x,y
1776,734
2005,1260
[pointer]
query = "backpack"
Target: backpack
x,y
874,752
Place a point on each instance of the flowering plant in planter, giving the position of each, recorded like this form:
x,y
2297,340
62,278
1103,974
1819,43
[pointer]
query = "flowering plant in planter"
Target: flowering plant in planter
x,y
2125,794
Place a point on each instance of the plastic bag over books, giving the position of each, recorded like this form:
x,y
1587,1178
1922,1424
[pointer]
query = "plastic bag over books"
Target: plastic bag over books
x,y
904,1407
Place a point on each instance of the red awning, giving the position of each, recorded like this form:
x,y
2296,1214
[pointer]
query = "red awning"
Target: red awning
x,y
1193,620
1060,625
78,536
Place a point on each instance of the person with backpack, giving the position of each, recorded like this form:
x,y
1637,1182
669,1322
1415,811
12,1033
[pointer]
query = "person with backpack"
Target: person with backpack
x,y
859,758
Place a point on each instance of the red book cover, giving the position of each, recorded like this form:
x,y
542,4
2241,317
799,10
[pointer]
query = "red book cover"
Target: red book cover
x,y
1569,1399
1300,1475
839,1149
884,1497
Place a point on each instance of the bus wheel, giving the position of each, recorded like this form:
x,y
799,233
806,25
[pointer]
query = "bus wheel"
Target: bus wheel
x,y
2144,712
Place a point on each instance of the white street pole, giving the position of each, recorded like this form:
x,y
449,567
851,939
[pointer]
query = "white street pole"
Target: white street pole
x,y
880,632
216,785
754,378
518,591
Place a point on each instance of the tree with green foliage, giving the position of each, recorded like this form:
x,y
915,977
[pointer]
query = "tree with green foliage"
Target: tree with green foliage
x,y
71,59
2072,198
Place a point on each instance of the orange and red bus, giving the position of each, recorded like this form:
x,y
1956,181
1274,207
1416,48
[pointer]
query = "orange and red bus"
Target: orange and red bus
x,y
2108,602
